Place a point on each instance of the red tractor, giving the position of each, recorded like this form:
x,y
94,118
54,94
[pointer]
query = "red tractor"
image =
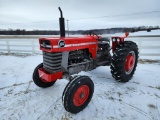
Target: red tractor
x,y
64,57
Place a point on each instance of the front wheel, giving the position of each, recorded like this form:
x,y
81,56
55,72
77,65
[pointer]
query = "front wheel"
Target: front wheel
x,y
78,94
124,61
38,81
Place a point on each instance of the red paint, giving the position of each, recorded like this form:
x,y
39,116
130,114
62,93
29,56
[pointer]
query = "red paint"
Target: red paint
x,y
116,41
72,43
81,95
129,64
47,77
72,40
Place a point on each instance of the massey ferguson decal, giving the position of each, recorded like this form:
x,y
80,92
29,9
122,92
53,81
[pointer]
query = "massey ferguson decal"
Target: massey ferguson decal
x,y
61,43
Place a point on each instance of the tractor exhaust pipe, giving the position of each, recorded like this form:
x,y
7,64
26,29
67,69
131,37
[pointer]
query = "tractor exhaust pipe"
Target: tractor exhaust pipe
x,y
61,24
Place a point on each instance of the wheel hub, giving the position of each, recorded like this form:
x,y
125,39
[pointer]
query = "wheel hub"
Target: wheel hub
x,y
81,95
130,62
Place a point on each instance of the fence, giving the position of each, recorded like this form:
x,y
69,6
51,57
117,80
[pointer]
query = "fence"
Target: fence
x,y
13,45
148,45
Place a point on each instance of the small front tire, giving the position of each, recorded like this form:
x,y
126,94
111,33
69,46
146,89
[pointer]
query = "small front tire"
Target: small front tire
x,y
78,94
38,81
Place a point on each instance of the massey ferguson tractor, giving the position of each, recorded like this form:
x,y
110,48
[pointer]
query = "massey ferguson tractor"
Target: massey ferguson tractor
x,y
64,57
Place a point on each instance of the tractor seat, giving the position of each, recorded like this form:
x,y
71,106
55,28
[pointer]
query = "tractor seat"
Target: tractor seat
x,y
103,44
104,39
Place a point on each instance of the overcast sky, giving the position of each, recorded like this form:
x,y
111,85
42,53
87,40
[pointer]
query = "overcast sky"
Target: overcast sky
x,y
82,14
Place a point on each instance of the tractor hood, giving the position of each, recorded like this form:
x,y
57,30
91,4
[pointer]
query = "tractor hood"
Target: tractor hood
x,y
60,44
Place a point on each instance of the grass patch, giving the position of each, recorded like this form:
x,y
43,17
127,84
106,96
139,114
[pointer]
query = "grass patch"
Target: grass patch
x,y
111,98
143,61
152,106
119,94
158,87
156,95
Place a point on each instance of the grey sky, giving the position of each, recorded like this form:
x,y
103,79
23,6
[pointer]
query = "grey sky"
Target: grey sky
x,y
44,14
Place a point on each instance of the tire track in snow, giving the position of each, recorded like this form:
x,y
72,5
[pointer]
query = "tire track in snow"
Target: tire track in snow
x,y
14,85
27,90
134,108
153,110
13,107
39,92
9,95
48,109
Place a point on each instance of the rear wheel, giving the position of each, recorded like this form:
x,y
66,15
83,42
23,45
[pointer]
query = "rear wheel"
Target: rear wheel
x,y
124,61
38,81
78,94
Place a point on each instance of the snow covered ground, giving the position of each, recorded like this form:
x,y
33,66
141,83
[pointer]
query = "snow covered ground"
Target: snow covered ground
x,y
21,99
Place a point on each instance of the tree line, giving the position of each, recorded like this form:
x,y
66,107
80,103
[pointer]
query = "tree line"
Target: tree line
x,y
82,32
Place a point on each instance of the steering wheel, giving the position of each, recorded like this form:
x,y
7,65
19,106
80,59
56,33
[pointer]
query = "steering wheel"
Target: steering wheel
x,y
92,34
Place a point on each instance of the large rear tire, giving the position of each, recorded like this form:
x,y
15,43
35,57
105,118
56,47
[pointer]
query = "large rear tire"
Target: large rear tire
x,y
124,61
77,94
38,81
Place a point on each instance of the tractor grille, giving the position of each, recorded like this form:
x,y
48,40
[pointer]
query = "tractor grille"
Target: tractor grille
x,y
52,61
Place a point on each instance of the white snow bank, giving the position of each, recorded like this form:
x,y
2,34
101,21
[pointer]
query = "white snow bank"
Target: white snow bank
x,y
153,32
140,33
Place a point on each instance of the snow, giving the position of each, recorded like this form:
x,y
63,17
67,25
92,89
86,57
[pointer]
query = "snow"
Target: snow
x,y
153,32
139,33
21,99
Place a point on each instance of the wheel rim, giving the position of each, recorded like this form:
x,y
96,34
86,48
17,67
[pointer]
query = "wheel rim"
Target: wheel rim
x,y
130,62
81,95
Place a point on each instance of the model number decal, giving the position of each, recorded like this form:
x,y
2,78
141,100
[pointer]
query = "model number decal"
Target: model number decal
x,y
73,45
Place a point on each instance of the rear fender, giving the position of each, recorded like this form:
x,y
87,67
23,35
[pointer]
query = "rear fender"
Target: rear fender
x,y
116,40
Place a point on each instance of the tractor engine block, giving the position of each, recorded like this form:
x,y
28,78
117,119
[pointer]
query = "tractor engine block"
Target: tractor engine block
x,y
78,56
79,60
